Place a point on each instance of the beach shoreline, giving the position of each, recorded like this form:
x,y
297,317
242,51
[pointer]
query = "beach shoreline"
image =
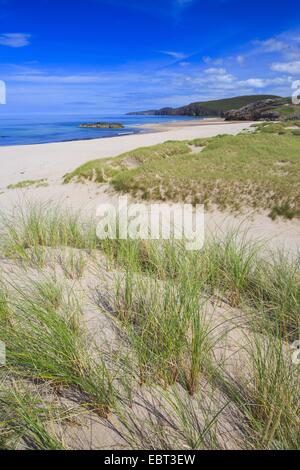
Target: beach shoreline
x,y
47,130
132,129
53,160
169,125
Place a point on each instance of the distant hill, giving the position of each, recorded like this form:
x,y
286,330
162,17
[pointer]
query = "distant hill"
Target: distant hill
x,y
207,108
278,109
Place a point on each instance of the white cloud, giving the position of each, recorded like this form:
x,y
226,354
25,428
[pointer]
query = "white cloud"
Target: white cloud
x,y
214,78
15,39
174,54
265,82
255,82
287,67
271,45
47,78
225,78
215,70
240,59
69,79
293,54
218,75
210,60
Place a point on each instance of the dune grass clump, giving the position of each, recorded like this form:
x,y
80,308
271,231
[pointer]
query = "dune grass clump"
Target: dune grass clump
x,y
228,264
46,292
279,128
233,268
30,229
4,302
284,209
73,264
288,127
169,420
248,275
48,343
268,399
274,394
156,328
167,326
28,183
275,291
27,421
164,259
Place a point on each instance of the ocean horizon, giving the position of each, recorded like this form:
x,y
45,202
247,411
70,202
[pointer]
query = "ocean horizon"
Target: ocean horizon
x,y
42,129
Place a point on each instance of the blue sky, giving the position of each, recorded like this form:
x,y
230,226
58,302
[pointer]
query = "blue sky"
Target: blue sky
x,y
114,56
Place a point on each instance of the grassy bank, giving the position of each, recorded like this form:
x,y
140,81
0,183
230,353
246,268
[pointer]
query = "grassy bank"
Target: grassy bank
x,y
197,346
260,171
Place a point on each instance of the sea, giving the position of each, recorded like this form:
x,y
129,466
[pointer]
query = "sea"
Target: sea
x,y
41,129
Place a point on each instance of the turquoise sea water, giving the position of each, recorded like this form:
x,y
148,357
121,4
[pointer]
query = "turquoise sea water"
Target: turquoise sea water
x,y
45,129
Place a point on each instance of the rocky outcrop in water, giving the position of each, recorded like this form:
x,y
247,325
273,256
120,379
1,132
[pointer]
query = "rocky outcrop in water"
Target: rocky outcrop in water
x,y
102,125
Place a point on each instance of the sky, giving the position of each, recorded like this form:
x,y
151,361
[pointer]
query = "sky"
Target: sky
x,y
116,56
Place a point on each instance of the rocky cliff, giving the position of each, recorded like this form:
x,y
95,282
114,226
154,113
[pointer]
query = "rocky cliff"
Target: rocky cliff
x,y
278,109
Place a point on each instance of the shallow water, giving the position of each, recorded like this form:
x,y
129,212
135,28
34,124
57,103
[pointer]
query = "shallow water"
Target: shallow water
x,y
46,129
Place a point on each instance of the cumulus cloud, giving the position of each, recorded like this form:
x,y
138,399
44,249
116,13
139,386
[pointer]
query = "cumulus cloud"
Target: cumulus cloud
x,y
42,77
255,82
67,79
271,45
15,39
287,67
215,70
265,82
211,61
218,75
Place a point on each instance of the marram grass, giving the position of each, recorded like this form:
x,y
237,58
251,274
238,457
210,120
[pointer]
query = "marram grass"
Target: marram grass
x,y
149,391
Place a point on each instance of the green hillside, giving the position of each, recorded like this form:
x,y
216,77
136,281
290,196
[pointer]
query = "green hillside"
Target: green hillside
x,y
208,108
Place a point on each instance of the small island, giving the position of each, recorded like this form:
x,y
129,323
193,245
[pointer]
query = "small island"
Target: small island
x,y
102,125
